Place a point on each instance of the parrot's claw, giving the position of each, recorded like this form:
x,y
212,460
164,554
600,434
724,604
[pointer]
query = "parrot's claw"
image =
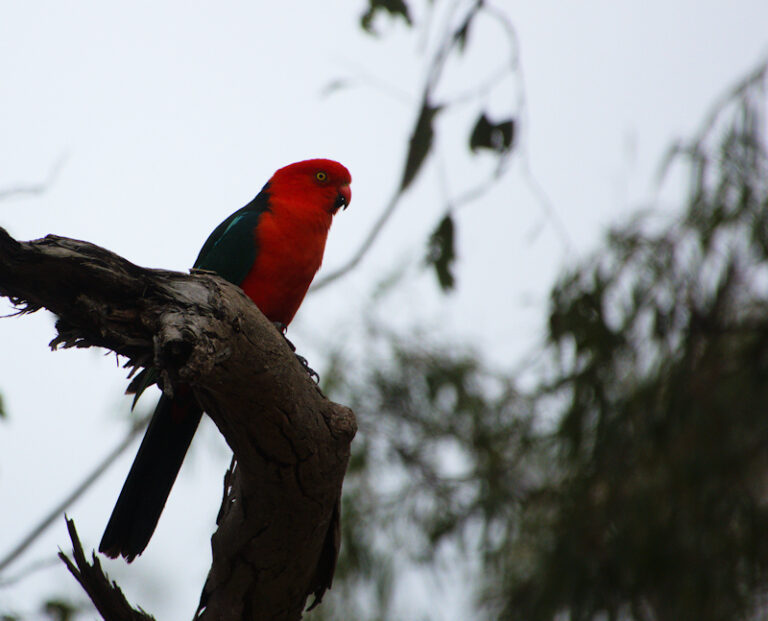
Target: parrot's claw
x,y
302,360
312,373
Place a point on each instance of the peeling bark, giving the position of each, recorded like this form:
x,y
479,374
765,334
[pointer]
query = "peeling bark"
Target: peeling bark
x,y
277,536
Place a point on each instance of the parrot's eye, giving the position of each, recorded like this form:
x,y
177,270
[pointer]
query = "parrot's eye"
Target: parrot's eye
x,y
321,176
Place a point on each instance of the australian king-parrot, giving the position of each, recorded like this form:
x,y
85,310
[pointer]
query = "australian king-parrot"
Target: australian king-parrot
x,y
272,249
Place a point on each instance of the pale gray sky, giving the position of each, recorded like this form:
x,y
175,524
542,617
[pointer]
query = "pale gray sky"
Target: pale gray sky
x,y
172,115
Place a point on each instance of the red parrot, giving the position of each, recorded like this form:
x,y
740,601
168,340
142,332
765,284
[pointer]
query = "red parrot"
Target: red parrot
x,y
272,248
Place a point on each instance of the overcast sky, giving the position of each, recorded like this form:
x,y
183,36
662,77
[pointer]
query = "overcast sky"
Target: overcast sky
x,y
169,116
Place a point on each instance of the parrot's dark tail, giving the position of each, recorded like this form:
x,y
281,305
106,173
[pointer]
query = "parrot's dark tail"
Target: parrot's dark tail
x,y
152,475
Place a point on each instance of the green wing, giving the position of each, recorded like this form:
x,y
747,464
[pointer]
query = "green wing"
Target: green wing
x,y
230,252
231,249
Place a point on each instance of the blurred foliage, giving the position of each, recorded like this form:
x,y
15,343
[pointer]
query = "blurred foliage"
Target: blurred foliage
x,y
395,8
632,482
492,136
55,609
61,610
3,413
442,446
441,252
420,143
449,43
660,345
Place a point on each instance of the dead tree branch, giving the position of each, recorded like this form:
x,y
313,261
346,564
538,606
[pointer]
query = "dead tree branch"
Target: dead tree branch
x,y
277,539
105,595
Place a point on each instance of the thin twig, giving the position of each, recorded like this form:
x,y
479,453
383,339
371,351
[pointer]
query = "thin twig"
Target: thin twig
x,y
757,77
362,77
363,248
33,189
32,568
89,480
534,185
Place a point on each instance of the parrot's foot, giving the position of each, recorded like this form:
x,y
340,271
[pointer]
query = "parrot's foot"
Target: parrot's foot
x,y
302,360
312,373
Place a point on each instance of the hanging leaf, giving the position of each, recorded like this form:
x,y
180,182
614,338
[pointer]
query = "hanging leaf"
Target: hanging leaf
x,y
393,7
333,87
441,252
497,137
2,408
60,610
419,144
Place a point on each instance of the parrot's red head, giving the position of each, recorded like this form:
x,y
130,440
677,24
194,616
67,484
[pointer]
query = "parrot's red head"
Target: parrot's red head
x,y
323,182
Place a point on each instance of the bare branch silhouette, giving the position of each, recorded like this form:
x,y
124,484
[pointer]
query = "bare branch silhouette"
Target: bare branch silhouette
x,y
78,491
105,595
34,189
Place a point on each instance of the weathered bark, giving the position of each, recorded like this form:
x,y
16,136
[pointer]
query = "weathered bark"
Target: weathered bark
x,y
278,526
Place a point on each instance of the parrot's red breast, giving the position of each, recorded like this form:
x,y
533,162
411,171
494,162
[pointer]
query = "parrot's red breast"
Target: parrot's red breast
x,y
291,234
